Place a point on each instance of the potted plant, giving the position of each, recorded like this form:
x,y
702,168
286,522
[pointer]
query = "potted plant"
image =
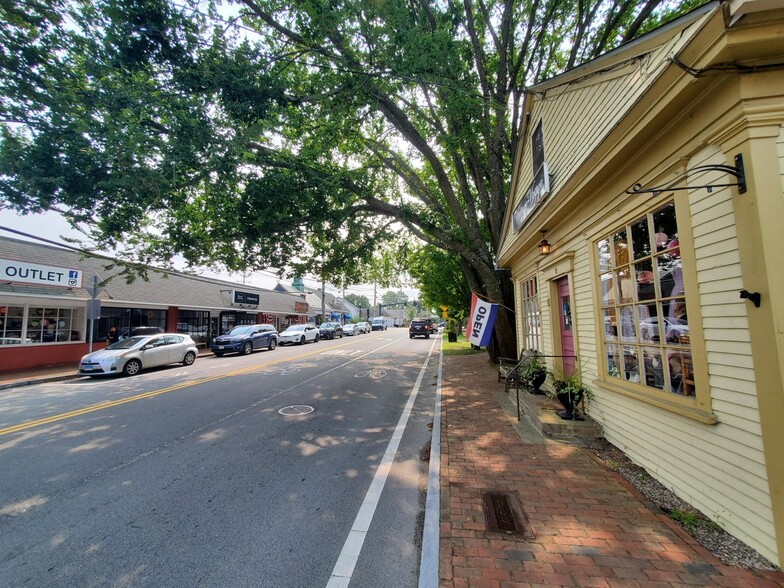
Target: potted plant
x,y
570,391
533,375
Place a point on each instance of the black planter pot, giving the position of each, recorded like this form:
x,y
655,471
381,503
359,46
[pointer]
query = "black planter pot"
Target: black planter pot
x,y
452,337
537,382
570,400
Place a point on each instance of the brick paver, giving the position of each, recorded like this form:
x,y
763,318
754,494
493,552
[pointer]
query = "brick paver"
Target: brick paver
x,y
590,527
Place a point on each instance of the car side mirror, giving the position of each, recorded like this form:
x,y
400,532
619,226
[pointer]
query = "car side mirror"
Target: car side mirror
x,y
145,347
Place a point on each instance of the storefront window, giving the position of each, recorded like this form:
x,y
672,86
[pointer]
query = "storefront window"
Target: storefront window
x,y
129,321
11,322
643,305
532,318
40,324
194,323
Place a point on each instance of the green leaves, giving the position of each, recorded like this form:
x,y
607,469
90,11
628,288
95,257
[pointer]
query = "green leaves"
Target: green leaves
x,y
265,132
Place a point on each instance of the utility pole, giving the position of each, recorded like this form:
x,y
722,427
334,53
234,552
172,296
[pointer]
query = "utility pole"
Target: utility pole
x,y
323,302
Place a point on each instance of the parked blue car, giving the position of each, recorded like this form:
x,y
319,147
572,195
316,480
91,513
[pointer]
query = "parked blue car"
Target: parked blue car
x,y
246,339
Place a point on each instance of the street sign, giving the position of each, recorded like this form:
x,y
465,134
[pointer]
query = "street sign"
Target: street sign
x,y
94,309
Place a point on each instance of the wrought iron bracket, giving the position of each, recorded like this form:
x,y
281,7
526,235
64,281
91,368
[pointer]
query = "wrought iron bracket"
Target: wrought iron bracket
x,y
737,171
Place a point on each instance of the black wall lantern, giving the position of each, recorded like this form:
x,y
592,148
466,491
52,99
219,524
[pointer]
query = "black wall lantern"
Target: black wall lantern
x,y
544,246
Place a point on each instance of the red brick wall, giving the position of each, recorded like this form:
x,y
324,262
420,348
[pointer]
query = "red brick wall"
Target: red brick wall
x,y
19,357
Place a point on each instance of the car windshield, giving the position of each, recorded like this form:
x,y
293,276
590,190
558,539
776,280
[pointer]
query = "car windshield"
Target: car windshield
x,y
241,330
296,328
127,343
327,326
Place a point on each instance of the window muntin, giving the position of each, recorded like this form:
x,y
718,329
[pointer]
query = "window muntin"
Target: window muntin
x,y
11,322
40,324
532,316
195,323
643,304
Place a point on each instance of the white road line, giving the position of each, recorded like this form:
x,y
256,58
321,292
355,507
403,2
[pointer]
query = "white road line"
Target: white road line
x,y
349,555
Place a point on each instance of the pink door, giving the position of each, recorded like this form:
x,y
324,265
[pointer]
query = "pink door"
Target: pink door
x,y
565,313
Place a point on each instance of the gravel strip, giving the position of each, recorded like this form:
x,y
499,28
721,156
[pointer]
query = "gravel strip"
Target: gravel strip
x,y
709,534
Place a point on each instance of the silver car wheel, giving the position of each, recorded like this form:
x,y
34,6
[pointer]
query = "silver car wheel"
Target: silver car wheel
x,y
132,368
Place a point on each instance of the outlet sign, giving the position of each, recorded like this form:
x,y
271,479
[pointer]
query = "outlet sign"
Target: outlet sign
x,y
34,273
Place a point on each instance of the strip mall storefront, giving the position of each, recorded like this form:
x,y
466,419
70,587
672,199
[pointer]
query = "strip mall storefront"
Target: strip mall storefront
x,y
45,305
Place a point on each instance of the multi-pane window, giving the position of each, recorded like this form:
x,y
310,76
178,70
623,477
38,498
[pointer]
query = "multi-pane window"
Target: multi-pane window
x,y
40,324
11,325
129,321
532,318
643,304
195,323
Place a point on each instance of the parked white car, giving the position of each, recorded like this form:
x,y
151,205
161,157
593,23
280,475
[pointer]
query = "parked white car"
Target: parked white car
x,y
350,329
299,334
364,326
129,356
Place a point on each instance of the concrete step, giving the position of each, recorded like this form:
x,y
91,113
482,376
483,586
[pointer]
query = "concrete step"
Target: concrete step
x,y
541,413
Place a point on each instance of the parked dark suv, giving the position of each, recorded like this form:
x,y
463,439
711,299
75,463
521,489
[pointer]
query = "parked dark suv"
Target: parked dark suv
x,y
419,327
244,339
331,330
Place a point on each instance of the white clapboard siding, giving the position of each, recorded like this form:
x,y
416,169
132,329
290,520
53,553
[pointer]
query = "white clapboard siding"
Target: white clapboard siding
x,y
718,468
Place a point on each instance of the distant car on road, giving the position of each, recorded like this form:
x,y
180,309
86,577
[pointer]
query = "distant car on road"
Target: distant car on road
x,y
364,326
245,339
133,354
419,327
350,329
330,330
299,334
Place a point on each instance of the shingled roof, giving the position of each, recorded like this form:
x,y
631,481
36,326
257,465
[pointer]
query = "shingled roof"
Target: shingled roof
x,y
162,287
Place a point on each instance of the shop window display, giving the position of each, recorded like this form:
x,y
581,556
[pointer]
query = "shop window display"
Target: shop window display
x,y
643,304
39,324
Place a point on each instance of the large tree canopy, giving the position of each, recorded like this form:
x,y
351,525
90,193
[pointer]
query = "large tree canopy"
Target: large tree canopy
x,y
262,132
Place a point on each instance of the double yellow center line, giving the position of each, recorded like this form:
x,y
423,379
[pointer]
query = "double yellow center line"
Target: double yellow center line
x,y
112,403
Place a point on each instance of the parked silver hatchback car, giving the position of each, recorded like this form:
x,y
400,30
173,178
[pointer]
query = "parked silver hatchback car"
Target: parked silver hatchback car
x,y
133,354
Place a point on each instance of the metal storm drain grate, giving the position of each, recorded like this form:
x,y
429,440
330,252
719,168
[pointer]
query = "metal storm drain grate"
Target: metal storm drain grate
x,y
504,514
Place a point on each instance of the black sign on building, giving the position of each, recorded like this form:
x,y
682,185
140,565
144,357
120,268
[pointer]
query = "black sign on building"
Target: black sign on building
x,y
238,297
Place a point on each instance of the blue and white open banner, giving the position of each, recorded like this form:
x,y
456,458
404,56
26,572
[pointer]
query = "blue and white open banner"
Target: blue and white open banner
x,y
482,319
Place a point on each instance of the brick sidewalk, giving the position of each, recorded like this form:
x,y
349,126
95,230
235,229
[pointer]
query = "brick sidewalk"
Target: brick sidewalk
x,y
590,528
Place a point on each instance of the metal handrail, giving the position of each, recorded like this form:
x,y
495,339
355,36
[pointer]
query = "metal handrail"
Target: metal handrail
x,y
519,364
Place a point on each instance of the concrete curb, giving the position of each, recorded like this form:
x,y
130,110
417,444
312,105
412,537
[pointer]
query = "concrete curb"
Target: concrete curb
x,y
42,380
431,532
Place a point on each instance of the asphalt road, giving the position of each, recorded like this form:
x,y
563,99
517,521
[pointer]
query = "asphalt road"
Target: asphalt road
x,y
193,477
